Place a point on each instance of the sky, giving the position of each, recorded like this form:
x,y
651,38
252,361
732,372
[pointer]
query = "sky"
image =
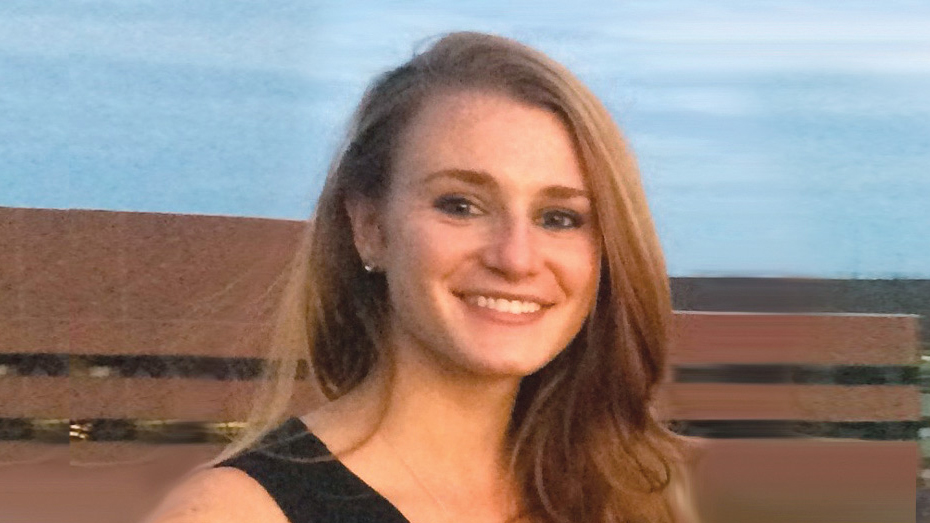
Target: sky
x,y
787,138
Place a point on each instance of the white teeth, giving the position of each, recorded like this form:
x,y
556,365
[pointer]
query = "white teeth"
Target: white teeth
x,y
503,305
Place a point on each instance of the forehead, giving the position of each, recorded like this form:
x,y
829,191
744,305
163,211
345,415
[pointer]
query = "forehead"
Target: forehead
x,y
489,132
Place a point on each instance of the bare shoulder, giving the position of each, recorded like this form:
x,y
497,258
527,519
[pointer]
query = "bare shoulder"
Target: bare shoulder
x,y
222,494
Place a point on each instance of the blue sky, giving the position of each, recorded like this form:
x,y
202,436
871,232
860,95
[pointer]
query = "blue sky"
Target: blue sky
x,y
775,138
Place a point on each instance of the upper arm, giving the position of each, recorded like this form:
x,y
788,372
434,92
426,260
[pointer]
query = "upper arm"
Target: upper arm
x,y
681,493
682,501
220,494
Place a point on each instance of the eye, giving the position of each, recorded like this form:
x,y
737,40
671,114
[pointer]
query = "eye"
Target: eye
x,y
559,219
459,206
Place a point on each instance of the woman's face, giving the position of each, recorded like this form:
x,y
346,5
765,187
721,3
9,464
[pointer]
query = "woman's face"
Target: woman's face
x,y
487,236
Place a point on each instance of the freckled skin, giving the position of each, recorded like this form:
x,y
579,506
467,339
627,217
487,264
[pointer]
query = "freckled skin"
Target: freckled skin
x,y
443,238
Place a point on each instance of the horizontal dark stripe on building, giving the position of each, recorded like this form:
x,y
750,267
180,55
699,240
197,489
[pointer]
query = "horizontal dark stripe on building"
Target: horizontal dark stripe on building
x,y
207,367
183,432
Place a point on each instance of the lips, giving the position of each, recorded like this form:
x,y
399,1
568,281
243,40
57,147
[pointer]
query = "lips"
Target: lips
x,y
500,304
504,305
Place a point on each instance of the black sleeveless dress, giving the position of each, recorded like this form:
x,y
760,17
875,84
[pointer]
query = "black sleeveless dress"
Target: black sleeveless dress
x,y
317,492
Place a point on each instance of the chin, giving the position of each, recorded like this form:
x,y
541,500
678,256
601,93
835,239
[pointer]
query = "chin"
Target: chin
x,y
506,367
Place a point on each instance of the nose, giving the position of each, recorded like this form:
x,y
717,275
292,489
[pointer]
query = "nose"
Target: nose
x,y
513,250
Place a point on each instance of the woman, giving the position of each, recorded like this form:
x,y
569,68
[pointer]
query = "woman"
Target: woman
x,y
482,297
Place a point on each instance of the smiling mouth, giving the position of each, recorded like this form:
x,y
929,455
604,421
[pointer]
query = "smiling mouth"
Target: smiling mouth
x,y
503,304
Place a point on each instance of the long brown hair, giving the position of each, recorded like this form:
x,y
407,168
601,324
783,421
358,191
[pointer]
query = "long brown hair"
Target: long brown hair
x,y
585,443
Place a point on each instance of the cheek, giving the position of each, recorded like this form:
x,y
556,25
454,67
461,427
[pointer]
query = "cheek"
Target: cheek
x,y
422,250
581,266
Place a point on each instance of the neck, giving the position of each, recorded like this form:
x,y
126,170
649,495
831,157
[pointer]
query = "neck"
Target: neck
x,y
450,433
445,430
454,424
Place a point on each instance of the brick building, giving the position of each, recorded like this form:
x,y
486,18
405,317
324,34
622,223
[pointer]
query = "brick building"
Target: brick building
x,y
131,342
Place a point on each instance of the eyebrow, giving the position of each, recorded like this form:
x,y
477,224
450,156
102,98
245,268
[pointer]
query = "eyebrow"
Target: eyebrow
x,y
483,179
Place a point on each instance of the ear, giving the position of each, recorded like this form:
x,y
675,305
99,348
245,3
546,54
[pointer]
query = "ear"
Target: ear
x,y
365,217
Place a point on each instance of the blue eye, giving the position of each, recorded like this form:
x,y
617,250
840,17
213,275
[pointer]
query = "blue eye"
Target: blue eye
x,y
457,206
561,219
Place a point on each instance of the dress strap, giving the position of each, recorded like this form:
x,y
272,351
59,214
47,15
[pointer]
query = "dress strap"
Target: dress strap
x,y
308,483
